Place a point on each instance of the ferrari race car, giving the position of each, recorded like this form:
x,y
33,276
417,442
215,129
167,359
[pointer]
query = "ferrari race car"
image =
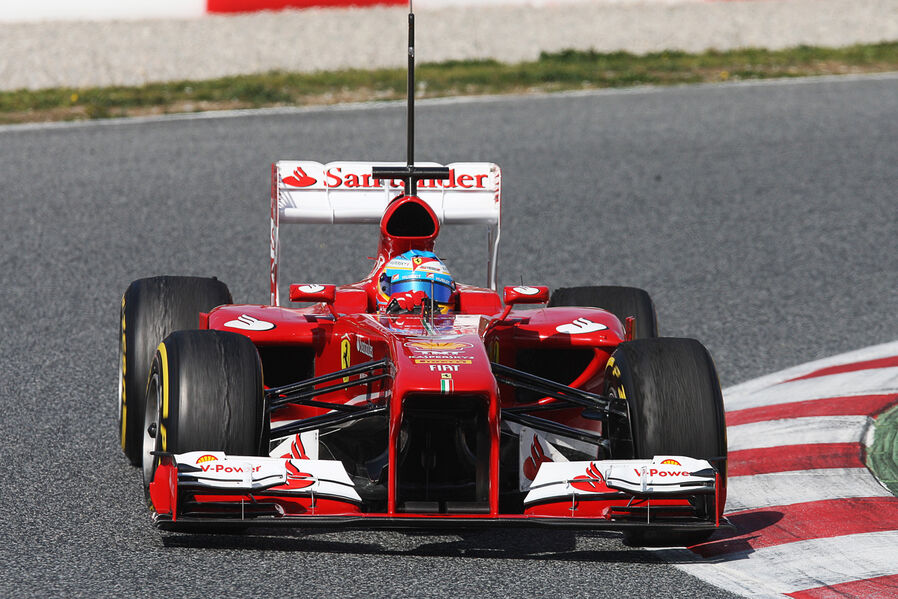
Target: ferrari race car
x,y
408,399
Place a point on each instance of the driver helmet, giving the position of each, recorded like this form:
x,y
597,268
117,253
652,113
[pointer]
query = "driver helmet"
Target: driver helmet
x,y
417,271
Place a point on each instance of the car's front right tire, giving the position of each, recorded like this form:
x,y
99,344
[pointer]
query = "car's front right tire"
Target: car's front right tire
x,y
670,390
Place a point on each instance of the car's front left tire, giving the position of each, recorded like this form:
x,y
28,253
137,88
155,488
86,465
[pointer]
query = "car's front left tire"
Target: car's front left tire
x,y
204,393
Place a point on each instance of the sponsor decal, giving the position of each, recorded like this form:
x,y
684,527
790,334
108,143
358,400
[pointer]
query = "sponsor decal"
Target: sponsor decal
x,y
299,179
435,346
311,288
537,456
300,446
363,347
524,290
591,482
335,178
671,462
441,361
297,450
447,385
219,468
663,473
248,323
297,479
443,368
206,458
442,354
580,326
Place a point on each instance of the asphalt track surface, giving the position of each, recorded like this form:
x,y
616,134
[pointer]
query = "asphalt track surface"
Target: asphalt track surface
x,y
760,217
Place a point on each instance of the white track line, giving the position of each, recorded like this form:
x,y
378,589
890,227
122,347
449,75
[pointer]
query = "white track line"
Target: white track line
x,y
884,350
798,431
859,382
799,486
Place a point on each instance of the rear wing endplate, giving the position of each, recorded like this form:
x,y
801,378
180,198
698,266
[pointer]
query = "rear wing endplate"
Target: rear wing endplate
x,y
347,193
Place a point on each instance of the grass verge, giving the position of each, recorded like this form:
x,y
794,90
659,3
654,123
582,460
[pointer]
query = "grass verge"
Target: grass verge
x,y
882,456
567,70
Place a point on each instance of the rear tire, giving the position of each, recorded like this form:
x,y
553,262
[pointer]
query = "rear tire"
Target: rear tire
x,y
620,301
671,392
153,308
204,393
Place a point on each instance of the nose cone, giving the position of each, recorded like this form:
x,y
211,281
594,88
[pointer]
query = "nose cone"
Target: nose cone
x,y
451,365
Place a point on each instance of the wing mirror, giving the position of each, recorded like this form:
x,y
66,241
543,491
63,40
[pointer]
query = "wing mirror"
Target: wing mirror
x,y
520,294
523,294
300,292
313,293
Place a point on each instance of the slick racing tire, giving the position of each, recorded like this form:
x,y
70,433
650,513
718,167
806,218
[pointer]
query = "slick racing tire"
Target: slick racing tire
x,y
204,393
151,309
620,301
669,388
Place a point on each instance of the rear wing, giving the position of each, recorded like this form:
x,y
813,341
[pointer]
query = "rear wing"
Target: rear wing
x,y
347,193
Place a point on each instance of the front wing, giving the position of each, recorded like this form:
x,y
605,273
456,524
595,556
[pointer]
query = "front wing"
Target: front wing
x,y
206,488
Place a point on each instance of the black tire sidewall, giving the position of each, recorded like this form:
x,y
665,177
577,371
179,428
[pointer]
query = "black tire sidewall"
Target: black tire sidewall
x,y
672,395
675,407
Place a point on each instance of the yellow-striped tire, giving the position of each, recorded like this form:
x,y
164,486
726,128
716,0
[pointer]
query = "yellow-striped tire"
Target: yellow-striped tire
x,y
204,393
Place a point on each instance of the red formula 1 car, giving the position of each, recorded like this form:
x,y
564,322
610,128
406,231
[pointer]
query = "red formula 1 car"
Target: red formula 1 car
x,y
410,399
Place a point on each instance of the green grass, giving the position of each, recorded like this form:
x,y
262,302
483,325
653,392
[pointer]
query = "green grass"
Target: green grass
x,y
882,457
551,72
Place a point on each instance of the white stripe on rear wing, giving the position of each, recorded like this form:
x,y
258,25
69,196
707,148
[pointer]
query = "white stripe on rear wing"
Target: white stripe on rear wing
x,y
346,192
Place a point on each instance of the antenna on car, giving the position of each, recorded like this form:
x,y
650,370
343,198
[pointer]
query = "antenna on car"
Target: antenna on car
x,y
411,174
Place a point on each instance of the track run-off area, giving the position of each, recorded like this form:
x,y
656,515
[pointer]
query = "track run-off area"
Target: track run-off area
x,y
811,520
759,216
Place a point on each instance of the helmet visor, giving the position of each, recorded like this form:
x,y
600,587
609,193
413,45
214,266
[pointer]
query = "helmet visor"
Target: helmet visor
x,y
438,291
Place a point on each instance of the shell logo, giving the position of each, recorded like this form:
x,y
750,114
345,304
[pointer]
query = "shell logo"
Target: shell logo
x,y
671,462
206,458
438,345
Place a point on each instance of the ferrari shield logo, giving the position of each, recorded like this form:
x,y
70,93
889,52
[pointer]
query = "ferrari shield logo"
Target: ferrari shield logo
x,y
344,356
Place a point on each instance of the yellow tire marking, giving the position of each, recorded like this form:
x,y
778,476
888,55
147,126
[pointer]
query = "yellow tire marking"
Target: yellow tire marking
x,y
124,422
163,354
